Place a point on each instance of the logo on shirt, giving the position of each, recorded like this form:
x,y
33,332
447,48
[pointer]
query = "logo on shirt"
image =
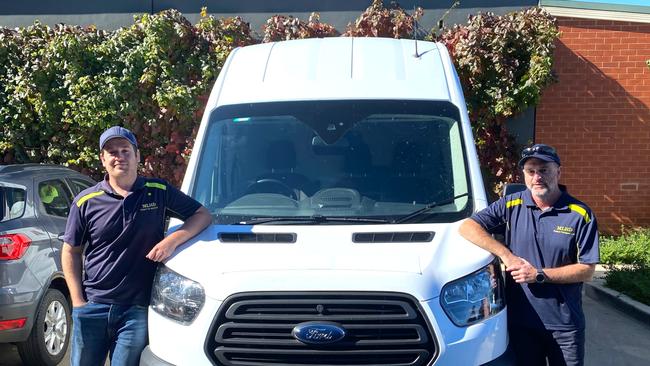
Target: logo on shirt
x,y
149,206
567,230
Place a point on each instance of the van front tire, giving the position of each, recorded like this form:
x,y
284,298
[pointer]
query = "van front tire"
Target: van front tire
x,y
48,341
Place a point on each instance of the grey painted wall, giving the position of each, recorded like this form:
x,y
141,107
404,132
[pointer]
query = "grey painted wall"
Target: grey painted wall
x,y
118,13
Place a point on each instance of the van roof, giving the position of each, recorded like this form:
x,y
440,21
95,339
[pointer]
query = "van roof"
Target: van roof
x,y
334,69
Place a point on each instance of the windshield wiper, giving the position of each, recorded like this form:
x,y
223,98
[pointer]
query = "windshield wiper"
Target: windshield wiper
x,y
427,208
314,219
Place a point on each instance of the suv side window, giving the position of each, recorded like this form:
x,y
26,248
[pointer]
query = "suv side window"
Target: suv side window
x,y
54,196
78,185
13,203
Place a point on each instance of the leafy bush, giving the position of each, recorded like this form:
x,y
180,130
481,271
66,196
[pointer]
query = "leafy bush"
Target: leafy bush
x,y
39,91
627,258
504,63
630,248
379,21
634,282
63,85
284,28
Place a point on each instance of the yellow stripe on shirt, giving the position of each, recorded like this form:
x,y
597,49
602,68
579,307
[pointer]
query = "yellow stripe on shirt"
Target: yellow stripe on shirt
x,y
581,211
156,185
516,202
87,197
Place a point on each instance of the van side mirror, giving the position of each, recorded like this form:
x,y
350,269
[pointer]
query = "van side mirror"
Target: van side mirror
x,y
510,188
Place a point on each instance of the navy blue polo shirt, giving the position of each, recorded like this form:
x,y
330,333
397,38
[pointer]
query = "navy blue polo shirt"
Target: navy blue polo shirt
x,y
564,234
119,232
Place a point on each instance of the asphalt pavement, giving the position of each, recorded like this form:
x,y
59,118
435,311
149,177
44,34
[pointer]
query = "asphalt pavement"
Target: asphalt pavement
x,y
618,327
613,337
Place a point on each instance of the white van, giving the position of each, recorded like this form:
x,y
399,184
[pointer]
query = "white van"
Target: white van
x,y
337,171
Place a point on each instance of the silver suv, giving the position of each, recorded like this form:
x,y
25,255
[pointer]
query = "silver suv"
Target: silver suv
x,y
34,299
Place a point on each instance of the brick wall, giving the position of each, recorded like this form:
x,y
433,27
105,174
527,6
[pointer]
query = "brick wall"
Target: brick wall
x,y
598,117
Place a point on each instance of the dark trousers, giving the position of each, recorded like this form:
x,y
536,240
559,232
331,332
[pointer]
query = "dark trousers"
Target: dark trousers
x,y
533,347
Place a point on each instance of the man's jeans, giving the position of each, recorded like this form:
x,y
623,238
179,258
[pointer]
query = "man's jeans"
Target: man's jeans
x,y
100,329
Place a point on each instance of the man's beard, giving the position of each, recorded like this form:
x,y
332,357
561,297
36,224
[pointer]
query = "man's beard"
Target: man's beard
x,y
544,193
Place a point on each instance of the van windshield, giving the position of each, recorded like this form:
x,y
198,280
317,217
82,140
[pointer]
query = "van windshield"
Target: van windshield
x,y
353,159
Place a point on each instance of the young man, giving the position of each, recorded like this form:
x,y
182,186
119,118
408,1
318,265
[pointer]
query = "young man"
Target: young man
x,y
551,247
120,221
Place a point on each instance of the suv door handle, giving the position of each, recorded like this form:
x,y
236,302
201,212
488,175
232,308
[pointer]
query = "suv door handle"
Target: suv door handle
x,y
60,236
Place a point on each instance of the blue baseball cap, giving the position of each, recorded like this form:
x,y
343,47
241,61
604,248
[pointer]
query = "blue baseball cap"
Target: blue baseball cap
x,y
539,151
117,131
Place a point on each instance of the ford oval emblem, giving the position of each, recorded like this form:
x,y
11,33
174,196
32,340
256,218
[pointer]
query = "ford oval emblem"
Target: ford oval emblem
x,y
318,332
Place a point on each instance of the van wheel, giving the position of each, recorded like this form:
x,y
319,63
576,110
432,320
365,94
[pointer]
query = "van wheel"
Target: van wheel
x,y
48,340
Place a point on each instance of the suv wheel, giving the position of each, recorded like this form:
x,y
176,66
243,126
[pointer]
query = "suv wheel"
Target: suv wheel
x,y
48,341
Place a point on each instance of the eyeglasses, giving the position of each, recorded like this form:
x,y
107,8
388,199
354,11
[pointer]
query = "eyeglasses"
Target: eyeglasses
x,y
541,149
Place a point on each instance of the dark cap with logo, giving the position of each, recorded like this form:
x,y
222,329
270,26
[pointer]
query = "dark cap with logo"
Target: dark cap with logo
x,y
541,152
115,132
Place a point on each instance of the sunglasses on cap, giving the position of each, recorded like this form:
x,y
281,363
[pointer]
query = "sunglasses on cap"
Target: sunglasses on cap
x,y
538,149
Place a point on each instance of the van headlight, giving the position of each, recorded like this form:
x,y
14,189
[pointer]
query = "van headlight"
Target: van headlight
x,y
176,297
475,297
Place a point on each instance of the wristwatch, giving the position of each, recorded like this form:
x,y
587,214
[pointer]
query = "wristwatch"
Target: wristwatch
x,y
541,276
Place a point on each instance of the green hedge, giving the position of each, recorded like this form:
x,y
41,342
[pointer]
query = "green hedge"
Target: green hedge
x,y
627,258
504,63
630,248
61,86
634,282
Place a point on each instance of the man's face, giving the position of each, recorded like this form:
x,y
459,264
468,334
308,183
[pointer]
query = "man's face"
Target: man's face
x,y
541,177
119,158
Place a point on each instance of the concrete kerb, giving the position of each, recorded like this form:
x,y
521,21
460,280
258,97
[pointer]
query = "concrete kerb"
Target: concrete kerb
x,y
596,290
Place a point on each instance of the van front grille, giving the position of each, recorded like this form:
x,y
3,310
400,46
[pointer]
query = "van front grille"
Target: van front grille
x,y
255,329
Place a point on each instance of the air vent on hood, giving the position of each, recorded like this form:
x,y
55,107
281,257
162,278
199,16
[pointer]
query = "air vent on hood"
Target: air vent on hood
x,y
257,237
394,237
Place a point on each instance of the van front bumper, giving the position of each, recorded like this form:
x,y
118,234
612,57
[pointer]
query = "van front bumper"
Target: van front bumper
x,y
147,358
484,343
506,359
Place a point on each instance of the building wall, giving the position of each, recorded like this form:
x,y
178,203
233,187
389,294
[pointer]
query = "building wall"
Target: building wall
x,y
598,117
118,13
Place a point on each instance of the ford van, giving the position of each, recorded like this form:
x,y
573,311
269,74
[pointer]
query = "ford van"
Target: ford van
x,y
337,172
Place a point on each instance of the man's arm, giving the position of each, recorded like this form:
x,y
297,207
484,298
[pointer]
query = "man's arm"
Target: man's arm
x,y
192,226
521,269
475,233
570,273
71,263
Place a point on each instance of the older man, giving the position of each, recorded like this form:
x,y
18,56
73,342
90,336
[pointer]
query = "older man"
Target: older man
x,y
550,249
120,223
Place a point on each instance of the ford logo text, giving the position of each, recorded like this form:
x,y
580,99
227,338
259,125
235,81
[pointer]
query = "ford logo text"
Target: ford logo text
x,y
318,332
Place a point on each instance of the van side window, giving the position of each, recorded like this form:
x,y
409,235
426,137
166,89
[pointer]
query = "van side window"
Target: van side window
x,y
54,196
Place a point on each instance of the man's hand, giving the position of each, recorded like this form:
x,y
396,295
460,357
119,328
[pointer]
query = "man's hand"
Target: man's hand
x,y
510,260
522,272
76,304
161,251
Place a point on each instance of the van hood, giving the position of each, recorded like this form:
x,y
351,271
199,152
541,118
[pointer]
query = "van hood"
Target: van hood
x,y
328,254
